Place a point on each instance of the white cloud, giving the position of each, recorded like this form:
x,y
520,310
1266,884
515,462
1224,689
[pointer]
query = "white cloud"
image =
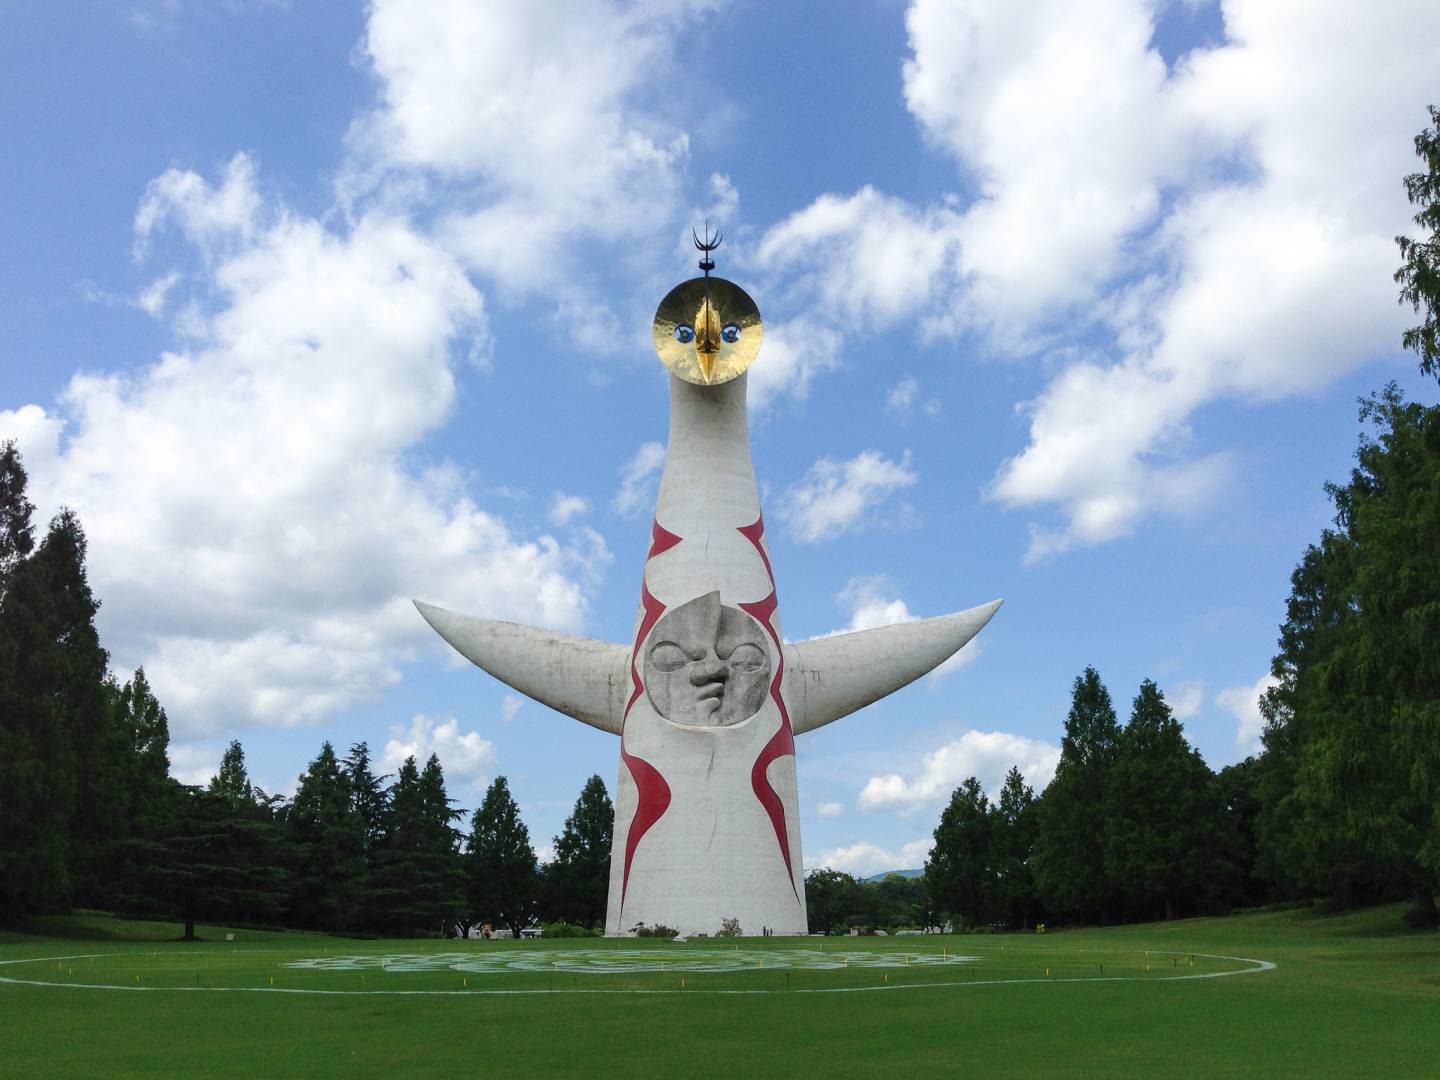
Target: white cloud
x,y
152,298
869,603
873,257
639,479
510,706
565,508
903,400
794,354
986,755
837,496
541,121
544,853
194,763
466,758
254,535
1185,698
830,809
1216,230
1243,703
864,859
213,218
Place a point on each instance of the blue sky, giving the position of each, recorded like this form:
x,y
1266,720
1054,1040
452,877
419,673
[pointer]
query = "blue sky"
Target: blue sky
x,y
313,309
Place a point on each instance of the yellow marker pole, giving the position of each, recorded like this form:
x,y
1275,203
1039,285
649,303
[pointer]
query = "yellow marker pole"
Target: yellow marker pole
x,y
887,977
1047,973
682,984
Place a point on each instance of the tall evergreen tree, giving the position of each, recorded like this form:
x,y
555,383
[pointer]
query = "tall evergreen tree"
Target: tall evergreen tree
x,y
416,883
1419,273
1069,863
958,874
232,781
1014,826
1350,779
17,532
500,863
1161,813
329,848
152,798
367,794
577,881
53,700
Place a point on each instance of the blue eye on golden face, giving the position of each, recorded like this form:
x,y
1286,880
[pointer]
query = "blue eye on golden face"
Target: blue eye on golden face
x,y
684,334
730,333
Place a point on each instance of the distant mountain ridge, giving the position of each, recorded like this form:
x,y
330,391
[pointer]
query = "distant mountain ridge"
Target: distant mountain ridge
x,y
902,873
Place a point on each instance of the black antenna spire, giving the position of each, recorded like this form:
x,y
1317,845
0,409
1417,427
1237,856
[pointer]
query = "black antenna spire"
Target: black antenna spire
x,y
706,246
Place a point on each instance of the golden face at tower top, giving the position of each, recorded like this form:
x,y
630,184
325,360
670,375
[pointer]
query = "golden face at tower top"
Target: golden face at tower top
x,y
707,330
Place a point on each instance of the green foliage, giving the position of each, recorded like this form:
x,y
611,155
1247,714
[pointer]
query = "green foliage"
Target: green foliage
x,y
959,874
831,900
1069,862
416,881
503,880
576,883
729,928
1350,780
53,713
232,781
656,931
1014,825
1160,813
1419,273
328,842
563,929
367,795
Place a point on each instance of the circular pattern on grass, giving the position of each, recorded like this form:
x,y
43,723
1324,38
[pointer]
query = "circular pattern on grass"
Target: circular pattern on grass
x,y
1252,966
628,961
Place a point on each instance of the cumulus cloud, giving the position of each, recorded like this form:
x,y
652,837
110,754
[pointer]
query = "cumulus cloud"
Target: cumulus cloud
x,y
795,353
639,480
864,859
194,763
985,755
466,757
539,120
254,534
830,809
1185,698
1243,703
870,605
903,400
835,497
1216,229
565,508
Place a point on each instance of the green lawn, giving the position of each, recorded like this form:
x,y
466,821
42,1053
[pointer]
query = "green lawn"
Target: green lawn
x,y
1353,994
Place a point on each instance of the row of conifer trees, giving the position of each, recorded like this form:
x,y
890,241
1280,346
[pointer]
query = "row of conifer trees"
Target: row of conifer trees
x,y
90,816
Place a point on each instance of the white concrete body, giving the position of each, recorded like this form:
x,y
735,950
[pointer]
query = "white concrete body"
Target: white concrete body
x,y
706,698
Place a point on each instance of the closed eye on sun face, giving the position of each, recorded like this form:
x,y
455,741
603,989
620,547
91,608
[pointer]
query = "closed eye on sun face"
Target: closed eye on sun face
x,y
667,656
747,657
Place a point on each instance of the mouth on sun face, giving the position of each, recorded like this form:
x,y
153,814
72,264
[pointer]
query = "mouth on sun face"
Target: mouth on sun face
x,y
710,691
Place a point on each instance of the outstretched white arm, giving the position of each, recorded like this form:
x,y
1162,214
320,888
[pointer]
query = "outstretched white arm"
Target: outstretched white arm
x,y
831,677
578,676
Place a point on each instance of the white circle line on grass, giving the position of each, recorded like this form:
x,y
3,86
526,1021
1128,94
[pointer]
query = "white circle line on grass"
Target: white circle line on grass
x,y
1259,967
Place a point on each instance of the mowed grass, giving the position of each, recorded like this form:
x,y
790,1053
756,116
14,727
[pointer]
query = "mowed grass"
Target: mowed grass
x,y
1352,994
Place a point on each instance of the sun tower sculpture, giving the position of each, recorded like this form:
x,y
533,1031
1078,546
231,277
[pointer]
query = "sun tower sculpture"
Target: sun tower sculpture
x,y
708,697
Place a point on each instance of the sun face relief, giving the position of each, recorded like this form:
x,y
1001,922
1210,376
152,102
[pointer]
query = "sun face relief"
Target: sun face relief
x,y
707,664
